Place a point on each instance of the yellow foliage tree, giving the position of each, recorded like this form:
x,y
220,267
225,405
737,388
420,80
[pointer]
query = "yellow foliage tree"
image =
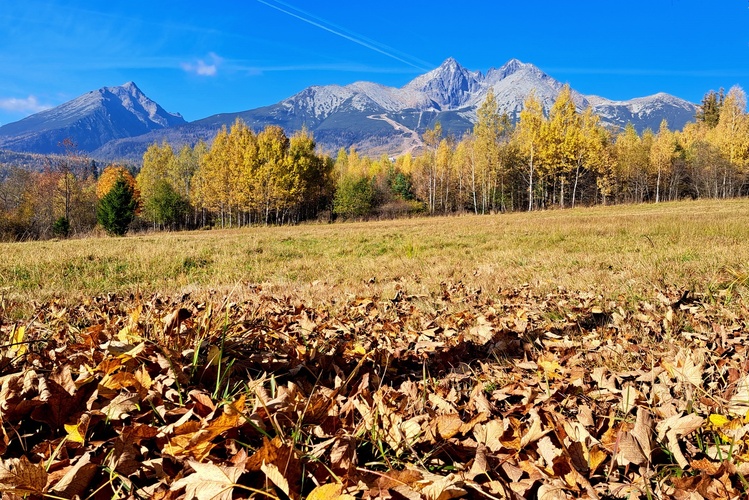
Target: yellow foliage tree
x,y
110,175
529,136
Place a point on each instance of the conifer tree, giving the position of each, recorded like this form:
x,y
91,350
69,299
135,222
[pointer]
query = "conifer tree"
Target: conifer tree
x,y
116,209
709,110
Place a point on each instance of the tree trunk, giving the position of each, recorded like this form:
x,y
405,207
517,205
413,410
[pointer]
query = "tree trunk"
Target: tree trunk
x,y
530,184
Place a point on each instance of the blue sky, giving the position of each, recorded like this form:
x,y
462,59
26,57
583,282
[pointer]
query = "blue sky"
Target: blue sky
x,y
200,58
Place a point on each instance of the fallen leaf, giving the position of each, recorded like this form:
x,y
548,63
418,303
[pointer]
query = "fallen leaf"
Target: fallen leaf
x,y
448,425
274,476
121,406
535,431
76,478
17,344
209,482
19,476
739,403
676,426
329,492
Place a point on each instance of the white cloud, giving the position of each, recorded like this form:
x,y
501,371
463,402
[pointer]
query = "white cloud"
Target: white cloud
x,y
203,67
28,105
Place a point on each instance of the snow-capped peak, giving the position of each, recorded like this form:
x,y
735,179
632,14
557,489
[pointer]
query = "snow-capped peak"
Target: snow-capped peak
x,y
449,85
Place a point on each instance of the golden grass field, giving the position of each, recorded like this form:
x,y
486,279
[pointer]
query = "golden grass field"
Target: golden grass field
x,y
613,251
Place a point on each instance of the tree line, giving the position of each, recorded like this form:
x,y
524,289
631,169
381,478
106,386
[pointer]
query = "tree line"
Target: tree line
x,y
563,158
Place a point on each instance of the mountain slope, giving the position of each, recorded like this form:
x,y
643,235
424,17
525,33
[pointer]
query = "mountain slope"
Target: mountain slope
x,y
90,120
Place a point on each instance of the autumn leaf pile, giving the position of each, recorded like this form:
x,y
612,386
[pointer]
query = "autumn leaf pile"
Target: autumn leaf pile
x,y
462,394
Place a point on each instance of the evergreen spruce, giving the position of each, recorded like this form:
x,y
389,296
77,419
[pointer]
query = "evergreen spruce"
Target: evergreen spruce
x,y
61,227
116,209
709,110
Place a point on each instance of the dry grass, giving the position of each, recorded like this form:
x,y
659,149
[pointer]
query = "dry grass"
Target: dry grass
x,y
623,251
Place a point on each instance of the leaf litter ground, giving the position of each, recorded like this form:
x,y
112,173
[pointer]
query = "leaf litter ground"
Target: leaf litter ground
x,y
457,395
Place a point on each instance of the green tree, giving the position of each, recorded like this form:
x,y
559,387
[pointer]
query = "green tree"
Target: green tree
x,y
116,209
152,175
354,197
61,227
165,205
400,184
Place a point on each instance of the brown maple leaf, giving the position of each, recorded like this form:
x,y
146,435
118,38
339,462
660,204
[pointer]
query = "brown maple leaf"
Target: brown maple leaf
x,y
19,476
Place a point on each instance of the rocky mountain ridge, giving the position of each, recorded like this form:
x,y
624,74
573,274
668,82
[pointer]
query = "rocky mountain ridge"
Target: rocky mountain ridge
x,y
90,120
371,117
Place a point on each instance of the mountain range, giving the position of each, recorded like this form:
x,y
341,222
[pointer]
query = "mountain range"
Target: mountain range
x,y
116,123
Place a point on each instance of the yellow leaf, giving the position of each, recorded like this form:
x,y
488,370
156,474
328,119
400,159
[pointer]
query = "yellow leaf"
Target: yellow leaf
x,y
214,356
74,433
143,378
118,381
717,420
127,335
326,492
17,336
596,457
329,492
358,349
551,367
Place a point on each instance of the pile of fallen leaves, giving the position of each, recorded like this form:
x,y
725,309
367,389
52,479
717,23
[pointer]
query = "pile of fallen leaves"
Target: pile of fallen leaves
x,y
458,395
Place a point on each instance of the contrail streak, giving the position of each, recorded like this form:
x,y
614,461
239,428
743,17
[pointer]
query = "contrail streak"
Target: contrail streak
x,y
370,44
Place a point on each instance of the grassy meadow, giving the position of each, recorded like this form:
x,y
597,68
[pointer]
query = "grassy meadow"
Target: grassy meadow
x,y
613,251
